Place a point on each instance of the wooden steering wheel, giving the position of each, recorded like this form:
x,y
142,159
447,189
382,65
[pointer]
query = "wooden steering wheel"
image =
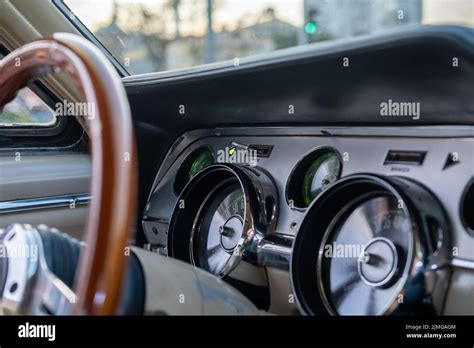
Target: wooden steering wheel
x,y
114,176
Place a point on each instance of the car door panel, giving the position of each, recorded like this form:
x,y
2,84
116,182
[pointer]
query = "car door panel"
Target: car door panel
x,y
48,188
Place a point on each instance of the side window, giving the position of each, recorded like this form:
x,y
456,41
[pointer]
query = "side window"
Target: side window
x,y
35,119
27,110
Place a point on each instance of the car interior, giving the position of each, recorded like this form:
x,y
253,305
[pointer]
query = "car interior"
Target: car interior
x,y
333,177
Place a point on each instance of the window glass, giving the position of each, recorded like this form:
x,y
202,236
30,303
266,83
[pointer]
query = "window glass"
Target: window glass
x,y
158,35
27,109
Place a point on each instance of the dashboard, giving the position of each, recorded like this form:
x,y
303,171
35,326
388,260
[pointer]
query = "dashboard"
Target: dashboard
x,y
323,220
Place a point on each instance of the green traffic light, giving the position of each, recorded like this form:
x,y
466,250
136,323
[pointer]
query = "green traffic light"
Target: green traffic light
x,y
311,28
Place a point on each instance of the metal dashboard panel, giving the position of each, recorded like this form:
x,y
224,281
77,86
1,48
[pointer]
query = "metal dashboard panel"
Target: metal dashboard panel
x,y
363,151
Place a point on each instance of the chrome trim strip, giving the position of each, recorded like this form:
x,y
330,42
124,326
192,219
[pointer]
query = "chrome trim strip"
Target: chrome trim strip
x,y
461,263
20,205
278,253
275,251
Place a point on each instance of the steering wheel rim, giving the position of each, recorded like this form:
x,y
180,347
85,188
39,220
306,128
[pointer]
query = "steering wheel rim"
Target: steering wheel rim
x,y
114,172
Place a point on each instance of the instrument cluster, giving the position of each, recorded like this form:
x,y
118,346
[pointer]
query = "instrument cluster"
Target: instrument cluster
x,y
321,221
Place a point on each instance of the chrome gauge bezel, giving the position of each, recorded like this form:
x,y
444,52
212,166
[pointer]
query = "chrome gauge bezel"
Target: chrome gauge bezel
x,y
260,212
294,184
338,200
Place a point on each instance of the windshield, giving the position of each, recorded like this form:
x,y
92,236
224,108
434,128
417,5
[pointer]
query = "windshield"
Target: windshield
x,y
157,35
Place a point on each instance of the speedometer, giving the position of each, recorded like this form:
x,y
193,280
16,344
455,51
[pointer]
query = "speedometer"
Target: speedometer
x,y
367,246
376,236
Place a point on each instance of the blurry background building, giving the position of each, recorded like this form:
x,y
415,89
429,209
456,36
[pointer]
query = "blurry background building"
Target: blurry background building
x,y
338,19
158,35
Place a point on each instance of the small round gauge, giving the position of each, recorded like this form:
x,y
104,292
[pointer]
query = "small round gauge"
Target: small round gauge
x,y
192,164
323,171
203,160
312,175
220,228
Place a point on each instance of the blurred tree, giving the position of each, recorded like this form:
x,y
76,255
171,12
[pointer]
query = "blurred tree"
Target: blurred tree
x,y
136,35
268,14
174,5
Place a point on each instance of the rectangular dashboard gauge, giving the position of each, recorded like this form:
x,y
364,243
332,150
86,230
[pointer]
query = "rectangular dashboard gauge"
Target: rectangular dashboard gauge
x,y
405,157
